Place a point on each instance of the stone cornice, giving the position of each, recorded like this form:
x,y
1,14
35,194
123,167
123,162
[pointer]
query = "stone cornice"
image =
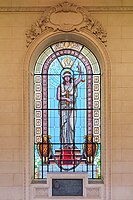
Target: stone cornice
x,y
89,8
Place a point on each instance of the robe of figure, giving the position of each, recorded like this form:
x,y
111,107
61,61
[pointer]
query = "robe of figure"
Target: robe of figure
x,y
67,114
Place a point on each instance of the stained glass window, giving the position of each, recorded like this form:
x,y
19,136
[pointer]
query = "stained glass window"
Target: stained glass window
x,y
67,111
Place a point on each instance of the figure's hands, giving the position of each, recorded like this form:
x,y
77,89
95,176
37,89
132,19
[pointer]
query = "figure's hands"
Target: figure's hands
x,y
69,100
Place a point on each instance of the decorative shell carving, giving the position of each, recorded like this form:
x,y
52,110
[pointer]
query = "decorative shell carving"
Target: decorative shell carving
x,y
66,17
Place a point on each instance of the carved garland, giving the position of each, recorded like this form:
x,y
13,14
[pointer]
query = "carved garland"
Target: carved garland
x,y
45,23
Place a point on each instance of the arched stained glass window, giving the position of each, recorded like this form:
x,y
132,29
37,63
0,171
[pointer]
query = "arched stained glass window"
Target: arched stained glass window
x,y
67,111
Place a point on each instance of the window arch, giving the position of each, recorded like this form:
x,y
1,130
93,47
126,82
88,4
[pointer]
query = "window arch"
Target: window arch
x,y
67,111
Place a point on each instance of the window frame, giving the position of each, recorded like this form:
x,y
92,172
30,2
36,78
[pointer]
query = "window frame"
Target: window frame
x,y
31,187
92,61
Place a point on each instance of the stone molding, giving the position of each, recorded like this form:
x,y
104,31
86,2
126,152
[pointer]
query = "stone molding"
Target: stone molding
x,y
88,8
91,191
75,18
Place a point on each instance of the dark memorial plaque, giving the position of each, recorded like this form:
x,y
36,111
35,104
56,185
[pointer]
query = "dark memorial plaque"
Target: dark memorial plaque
x,y
67,187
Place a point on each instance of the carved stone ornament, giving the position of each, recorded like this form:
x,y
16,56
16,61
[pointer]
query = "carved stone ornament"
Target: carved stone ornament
x,y
66,17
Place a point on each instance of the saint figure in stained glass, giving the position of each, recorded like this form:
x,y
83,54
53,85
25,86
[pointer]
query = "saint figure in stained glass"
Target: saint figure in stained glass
x,y
66,95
